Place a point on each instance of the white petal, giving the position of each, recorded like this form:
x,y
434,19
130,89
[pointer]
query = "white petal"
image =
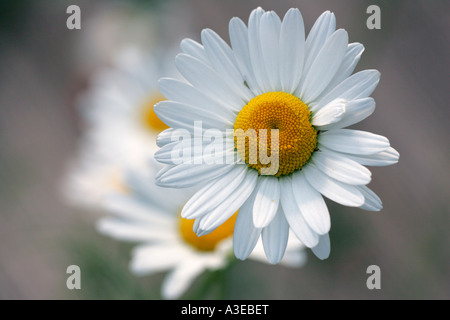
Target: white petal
x,y
153,258
178,281
355,111
267,200
360,85
275,237
330,113
195,49
324,26
245,235
372,201
182,116
222,59
294,217
183,92
164,137
229,205
133,231
384,158
341,168
351,59
214,193
136,209
311,204
339,192
188,175
292,50
207,80
324,66
353,141
322,250
270,32
255,51
239,42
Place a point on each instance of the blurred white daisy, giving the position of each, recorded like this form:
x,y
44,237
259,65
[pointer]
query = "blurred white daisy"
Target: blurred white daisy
x,y
150,216
120,126
273,77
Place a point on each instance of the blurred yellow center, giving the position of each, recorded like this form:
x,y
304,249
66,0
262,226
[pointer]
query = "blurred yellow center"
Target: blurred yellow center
x,y
209,241
149,117
297,137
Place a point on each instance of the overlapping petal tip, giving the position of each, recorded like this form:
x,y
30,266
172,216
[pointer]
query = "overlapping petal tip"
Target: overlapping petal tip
x,y
323,249
275,237
245,235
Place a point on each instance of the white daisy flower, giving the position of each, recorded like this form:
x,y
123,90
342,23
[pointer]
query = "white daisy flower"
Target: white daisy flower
x,y
302,89
120,126
150,215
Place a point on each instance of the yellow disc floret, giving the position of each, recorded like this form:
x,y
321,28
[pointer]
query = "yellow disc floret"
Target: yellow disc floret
x,y
149,117
209,241
256,142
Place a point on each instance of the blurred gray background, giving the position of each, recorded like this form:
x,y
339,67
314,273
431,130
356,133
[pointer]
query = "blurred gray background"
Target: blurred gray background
x,y
44,66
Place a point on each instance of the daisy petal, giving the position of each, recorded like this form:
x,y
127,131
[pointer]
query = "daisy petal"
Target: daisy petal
x,y
153,258
164,137
255,51
130,231
178,280
207,80
294,217
360,85
292,50
351,59
183,92
384,158
353,141
339,192
275,237
372,201
329,114
311,204
182,116
195,49
324,66
266,201
188,175
239,42
324,26
213,193
322,250
222,59
355,111
245,235
229,206
341,168
270,30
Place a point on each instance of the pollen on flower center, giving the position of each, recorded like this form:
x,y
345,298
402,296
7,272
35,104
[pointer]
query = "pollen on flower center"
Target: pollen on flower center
x,y
149,117
297,138
209,241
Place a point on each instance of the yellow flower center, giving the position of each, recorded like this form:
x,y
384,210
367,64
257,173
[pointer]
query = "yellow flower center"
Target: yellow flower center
x,y
209,241
149,117
297,138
